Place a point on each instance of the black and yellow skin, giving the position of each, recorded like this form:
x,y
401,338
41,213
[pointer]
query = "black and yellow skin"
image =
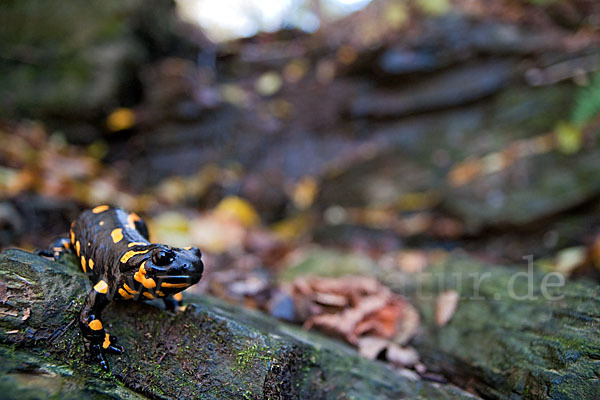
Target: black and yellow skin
x,y
114,251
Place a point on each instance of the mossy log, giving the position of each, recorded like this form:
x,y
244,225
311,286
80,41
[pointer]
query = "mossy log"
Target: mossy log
x,y
515,333
210,350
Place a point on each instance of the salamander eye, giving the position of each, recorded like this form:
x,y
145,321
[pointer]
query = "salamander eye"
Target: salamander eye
x,y
162,258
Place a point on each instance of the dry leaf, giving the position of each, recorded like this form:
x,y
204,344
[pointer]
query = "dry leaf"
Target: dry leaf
x,y
370,346
344,323
26,314
402,357
408,325
446,306
383,322
354,307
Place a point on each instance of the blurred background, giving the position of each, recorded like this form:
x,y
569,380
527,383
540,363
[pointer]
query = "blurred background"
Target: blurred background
x,y
291,137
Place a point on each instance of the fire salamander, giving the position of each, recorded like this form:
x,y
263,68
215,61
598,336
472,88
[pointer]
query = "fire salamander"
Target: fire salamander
x,y
114,250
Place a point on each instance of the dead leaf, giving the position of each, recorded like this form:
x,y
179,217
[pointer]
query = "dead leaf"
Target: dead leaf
x,y
446,306
26,314
354,307
401,356
370,346
344,323
383,322
330,299
412,261
408,325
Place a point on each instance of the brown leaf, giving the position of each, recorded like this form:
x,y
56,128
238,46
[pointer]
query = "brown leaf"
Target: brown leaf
x,y
402,356
344,323
383,322
446,306
408,325
370,346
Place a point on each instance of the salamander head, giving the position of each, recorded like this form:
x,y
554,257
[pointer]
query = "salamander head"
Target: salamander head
x,y
171,268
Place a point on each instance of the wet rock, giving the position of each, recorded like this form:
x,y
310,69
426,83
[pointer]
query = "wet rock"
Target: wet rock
x,y
458,86
75,60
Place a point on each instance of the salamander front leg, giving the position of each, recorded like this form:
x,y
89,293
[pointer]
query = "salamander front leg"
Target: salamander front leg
x,y
173,302
97,342
56,249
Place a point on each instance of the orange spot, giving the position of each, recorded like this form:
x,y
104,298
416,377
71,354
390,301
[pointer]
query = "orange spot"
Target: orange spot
x,y
99,209
95,325
178,296
174,285
148,295
131,219
130,254
136,244
106,341
77,247
149,283
130,290
159,293
140,276
101,223
101,287
72,237
67,245
124,294
117,235
91,263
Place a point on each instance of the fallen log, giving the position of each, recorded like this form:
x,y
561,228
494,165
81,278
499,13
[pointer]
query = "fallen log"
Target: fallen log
x,y
211,350
515,333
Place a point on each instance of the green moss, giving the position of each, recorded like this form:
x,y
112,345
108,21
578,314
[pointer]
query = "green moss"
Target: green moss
x,y
248,357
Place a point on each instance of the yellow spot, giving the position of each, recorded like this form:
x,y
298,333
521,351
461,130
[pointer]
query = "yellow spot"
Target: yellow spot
x,y
77,247
173,285
99,209
101,223
187,248
131,219
178,296
130,254
130,290
136,244
159,293
83,263
120,119
72,237
124,294
117,235
101,287
106,341
148,295
95,325
91,263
